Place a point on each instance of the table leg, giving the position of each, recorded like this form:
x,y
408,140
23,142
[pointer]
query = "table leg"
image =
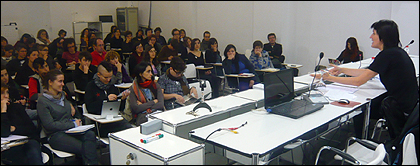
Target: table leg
x,y
365,132
255,158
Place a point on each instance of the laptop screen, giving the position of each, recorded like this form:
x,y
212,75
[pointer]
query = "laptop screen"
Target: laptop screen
x,y
278,87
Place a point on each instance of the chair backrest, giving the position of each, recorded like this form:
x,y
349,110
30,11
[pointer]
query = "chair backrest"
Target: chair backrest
x,y
190,71
378,155
248,53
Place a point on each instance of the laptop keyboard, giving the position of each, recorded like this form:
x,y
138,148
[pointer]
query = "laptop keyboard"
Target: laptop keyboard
x,y
290,106
296,108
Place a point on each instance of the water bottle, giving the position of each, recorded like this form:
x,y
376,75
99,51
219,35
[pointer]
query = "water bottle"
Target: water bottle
x,y
406,49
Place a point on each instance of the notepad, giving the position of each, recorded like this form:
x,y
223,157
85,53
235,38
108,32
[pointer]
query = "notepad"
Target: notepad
x,y
11,138
80,129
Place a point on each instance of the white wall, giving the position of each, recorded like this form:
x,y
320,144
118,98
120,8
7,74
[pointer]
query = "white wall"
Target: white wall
x,y
303,28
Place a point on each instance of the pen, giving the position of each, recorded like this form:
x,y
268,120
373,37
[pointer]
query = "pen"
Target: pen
x,y
151,138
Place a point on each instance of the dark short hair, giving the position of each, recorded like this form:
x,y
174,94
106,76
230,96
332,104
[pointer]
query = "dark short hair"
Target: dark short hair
x,y
175,44
387,31
178,64
38,63
107,65
126,33
33,49
86,55
66,42
149,29
8,47
182,30
19,46
95,42
271,34
173,31
140,30
211,42
51,75
3,38
228,47
30,40
137,43
257,43
206,32
158,29
62,31
26,35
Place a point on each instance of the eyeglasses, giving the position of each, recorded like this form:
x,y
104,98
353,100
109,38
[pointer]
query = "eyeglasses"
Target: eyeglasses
x,y
178,72
45,50
152,51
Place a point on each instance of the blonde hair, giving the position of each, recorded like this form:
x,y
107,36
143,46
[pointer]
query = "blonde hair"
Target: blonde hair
x,y
110,55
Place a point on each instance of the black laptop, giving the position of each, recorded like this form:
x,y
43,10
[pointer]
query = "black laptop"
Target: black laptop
x,y
279,96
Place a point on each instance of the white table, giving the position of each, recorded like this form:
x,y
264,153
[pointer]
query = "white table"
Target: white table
x,y
256,95
124,85
125,148
178,122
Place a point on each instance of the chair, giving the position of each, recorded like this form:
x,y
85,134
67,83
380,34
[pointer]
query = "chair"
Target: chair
x,y
375,157
190,72
103,140
248,53
58,153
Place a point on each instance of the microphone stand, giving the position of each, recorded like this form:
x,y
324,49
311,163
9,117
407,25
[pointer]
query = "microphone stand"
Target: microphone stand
x,y
360,60
202,103
321,55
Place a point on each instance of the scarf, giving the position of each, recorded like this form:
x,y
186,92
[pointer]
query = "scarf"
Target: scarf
x,y
43,40
100,84
139,94
184,86
57,99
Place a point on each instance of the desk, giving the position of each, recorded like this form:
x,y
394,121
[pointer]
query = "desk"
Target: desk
x,y
201,67
123,85
12,141
169,149
177,122
165,62
71,67
290,65
256,95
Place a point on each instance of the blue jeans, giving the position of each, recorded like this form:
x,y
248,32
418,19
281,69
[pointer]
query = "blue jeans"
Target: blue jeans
x,y
80,144
26,154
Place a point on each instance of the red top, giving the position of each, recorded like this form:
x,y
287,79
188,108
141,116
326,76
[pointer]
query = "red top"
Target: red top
x,y
97,58
71,57
33,86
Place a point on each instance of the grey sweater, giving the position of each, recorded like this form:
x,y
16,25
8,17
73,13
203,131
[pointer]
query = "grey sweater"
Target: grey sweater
x,y
54,117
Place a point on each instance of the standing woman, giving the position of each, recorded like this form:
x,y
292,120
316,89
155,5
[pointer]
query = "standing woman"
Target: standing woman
x,y
42,37
150,57
57,115
196,57
135,58
146,96
84,39
351,53
235,63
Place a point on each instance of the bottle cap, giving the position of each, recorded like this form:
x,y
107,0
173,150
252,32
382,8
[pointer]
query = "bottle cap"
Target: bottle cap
x,y
268,110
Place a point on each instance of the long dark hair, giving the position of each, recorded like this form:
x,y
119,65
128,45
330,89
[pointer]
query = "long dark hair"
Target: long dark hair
x,y
140,68
354,48
236,59
146,56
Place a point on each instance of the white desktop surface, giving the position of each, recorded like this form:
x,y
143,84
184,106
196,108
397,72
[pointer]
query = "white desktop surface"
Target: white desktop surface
x,y
167,146
100,119
305,79
264,131
251,94
178,115
415,59
123,85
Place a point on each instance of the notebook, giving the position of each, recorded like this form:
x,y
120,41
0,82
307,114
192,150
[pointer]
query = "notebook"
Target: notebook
x,y
279,96
188,100
110,108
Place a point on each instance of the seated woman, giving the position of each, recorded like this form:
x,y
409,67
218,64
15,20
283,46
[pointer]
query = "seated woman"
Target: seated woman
x,y
146,96
351,53
84,39
117,67
58,115
259,57
15,120
150,57
213,55
196,57
22,76
235,63
135,58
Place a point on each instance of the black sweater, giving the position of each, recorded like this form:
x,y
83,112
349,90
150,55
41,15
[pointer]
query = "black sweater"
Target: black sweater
x,y
17,116
94,97
81,79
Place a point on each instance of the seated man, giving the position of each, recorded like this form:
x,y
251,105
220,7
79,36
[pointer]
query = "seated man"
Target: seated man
x,y
101,88
168,52
175,84
275,51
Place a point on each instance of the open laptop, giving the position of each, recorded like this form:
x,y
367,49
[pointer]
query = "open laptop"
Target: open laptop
x,y
334,61
110,108
279,96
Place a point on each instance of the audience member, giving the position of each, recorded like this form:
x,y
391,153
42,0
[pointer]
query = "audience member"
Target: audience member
x,y
259,57
70,54
118,68
53,45
275,51
182,35
145,94
169,51
14,120
17,94
84,71
149,33
235,63
15,64
187,44
98,55
139,36
135,58
35,81
160,39
150,57
84,39
4,42
23,39
175,35
6,54
22,76
92,38
116,41
205,42
30,43
56,48
196,57
101,88
42,37
43,53
56,114
128,44
351,53
212,55
110,34
175,84
152,42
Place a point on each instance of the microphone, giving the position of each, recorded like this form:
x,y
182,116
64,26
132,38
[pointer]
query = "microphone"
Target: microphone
x,y
411,42
321,55
360,60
